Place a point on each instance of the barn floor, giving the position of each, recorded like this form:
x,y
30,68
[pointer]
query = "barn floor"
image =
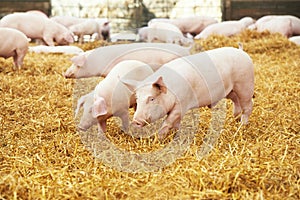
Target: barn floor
x,y
42,156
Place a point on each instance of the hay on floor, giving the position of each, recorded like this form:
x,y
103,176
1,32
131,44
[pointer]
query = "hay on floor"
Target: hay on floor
x,y
42,155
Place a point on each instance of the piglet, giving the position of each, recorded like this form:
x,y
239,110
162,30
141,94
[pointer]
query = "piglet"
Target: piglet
x,y
100,61
286,25
275,24
167,32
193,24
67,21
112,98
65,49
194,81
87,27
13,44
188,25
36,27
226,28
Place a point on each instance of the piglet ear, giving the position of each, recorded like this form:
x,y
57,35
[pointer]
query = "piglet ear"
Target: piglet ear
x,y
79,60
99,107
160,85
131,84
69,38
80,103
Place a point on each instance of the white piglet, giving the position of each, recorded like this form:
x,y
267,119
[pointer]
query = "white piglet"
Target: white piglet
x,y
287,25
112,98
88,27
193,24
194,81
168,33
226,28
13,44
100,61
36,27
188,25
65,49
67,21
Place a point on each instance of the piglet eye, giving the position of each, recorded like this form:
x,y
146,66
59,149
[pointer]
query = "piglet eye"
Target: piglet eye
x,y
151,99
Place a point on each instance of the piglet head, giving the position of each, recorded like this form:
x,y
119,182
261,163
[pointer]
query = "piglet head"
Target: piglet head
x,y
247,21
75,69
69,37
153,101
86,120
105,30
65,38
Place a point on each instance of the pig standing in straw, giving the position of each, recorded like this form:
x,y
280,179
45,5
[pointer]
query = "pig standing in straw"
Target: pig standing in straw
x,y
100,61
194,81
36,27
111,97
13,44
226,28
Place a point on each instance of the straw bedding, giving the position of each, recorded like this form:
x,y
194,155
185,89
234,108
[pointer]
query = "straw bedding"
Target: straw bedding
x,y
42,156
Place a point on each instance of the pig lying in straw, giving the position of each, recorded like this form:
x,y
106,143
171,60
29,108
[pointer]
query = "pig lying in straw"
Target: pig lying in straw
x,y
100,61
226,28
13,44
192,24
111,97
56,49
166,32
286,25
194,81
36,27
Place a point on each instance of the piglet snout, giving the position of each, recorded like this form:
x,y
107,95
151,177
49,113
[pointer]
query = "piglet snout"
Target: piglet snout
x,y
68,75
81,128
138,123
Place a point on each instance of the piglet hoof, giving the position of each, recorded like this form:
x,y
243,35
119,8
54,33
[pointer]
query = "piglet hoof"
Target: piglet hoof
x,y
124,129
162,133
237,118
244,119
161,136
81,128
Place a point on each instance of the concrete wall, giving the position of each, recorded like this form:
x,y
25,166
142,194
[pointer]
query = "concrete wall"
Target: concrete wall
x,y
132,14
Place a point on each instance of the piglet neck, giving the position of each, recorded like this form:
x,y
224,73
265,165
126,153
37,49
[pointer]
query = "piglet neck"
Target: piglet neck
x,y
169,101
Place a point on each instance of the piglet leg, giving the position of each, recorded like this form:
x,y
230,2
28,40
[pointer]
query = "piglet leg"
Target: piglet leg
x,y
172,121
